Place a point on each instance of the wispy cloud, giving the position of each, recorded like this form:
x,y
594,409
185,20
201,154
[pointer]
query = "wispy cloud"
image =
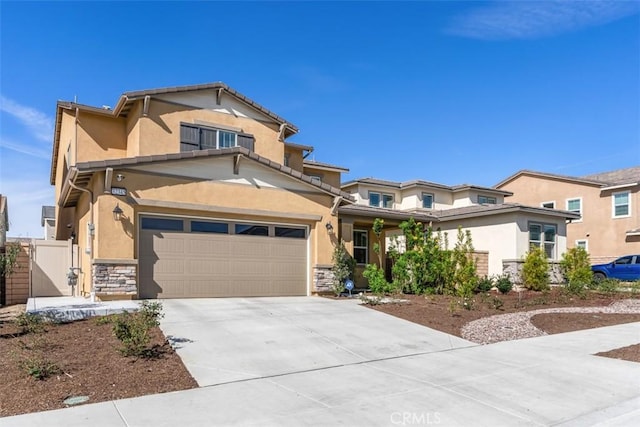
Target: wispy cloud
x,y
25,199
316,79
535,19
27,149
39,124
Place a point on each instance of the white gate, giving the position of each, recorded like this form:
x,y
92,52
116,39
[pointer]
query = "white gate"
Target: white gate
x,y
50,262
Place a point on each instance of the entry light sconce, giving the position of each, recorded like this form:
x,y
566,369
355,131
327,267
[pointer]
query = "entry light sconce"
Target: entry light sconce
x,y
329,227
117,212
119,177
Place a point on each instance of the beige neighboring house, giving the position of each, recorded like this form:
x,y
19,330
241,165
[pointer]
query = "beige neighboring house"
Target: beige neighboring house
x,y
192,191
608,204
502,231
4,220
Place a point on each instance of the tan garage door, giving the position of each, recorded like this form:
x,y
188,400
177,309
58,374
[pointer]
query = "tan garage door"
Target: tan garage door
x,y
226,260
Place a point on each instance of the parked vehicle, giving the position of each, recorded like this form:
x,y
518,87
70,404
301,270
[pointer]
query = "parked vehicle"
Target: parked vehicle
x,y
624,268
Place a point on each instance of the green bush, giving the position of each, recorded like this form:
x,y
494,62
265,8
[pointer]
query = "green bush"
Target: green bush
x,y
504,284
343,266
535,271
576,268
377,282
485,284
133,329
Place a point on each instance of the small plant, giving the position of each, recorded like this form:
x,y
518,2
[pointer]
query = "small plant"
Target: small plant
x,y
30,323
103,320
608,285
535,271
497,303
133,329
504,284
39,367
9,259
485,284
377,282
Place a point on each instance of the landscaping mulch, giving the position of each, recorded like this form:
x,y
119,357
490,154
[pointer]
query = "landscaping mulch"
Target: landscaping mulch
x,y
90,365
438,312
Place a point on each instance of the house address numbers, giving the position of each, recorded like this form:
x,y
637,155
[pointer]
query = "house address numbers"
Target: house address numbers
x,y
118,191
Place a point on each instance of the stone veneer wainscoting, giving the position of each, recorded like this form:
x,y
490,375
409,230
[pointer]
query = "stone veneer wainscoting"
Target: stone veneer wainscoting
x,y
322,278
115,278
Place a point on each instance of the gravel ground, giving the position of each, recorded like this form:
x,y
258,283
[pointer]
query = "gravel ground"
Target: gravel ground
x,y
513,326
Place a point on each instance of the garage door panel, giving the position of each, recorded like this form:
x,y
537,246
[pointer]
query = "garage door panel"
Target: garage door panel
x,y
180,265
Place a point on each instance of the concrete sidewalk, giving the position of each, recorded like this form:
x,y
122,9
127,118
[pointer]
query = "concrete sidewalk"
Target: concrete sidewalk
x,y
550,380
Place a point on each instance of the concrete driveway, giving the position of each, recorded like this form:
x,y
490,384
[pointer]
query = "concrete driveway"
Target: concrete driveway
x,y
226,340
312,361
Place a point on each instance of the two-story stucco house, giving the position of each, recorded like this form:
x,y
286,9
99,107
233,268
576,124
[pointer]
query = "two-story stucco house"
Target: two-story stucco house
x,y
608,205
191,191
503,232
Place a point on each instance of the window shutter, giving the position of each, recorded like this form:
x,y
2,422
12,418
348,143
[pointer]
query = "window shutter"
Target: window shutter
x,y
189,135
246,141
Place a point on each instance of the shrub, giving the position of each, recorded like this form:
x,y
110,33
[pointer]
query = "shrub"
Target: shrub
x,y
39,367
30,323
535,271
576,268
608,285
343,266
485,284
377,282
133,329
504,284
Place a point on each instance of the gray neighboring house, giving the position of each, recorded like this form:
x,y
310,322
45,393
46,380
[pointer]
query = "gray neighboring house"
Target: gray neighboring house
x,y
48,222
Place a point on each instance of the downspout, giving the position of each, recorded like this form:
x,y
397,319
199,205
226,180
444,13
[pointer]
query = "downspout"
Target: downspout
x,y
75,142
90,233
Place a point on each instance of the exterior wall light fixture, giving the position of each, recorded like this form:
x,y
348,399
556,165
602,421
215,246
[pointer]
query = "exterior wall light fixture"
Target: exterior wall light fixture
x,y
329,227
117,212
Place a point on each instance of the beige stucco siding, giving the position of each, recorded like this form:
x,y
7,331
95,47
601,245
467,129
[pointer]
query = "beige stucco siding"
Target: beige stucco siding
x,y
606,236
100,137
161,129
133,129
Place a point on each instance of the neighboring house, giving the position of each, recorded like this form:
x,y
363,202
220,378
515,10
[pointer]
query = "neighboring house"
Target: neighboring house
x,y
192,191
505,231
48,222
4,220
608,204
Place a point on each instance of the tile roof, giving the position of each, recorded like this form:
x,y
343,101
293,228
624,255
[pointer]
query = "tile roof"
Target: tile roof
x,y
603,179
384,213
421,183
489,209
312,163
617,177
84,168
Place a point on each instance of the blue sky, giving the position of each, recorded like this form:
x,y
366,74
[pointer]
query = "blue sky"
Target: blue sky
x,y
451,92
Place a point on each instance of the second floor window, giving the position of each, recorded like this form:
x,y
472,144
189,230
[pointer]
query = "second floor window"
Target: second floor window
x,y
427,200
575,206
487,200
621,204
205,138
379,200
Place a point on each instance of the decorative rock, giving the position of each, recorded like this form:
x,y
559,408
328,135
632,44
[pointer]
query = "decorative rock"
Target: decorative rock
x,y
76,400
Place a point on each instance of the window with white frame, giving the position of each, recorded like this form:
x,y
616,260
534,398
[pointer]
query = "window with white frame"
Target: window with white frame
x,y
575,206
548,205
621,204
380,200
195,137
584,244
427,200
360,246
543,236
486,200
